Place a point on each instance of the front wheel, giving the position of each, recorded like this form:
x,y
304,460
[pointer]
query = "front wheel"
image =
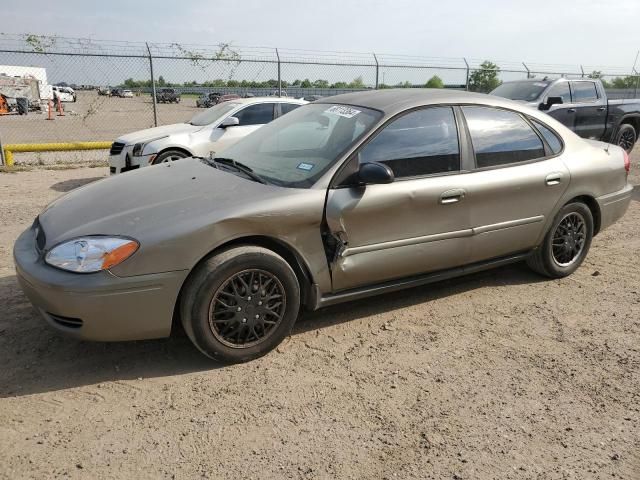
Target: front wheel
x,y
566,244
240,304
626,137
169,156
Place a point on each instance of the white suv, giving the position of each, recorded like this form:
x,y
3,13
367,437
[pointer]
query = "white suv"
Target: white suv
x,y
208,132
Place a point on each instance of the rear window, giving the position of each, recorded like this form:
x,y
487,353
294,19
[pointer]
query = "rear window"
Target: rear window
x,y
501,137
584,91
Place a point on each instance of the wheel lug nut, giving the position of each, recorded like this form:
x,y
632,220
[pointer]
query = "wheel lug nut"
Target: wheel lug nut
x,y
244,320
248,298
257,316
260,303
239,309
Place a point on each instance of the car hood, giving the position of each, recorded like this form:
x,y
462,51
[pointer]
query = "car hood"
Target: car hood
x,y
156,201
157,132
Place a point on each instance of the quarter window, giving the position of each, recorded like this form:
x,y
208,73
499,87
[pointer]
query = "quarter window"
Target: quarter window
x,y
501,137
422,142
551,138
584,91
257,114
560,90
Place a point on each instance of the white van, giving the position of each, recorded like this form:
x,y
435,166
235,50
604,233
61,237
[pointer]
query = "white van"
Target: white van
x,y
65,94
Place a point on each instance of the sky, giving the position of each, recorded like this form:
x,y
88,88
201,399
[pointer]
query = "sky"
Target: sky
x,y
575,32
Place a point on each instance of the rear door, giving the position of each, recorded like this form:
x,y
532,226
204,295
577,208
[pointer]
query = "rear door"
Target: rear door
x,y
591,109
417,224
564,112
518,181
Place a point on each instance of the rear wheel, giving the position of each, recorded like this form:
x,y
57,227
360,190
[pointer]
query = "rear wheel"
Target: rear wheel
x,y
169,156
566,244
240,304
626,137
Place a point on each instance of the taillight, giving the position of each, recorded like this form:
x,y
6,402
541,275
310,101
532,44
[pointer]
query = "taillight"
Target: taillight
x,y
627,161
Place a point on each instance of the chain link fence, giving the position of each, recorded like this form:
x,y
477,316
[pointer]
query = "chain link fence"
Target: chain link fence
x,y
113,83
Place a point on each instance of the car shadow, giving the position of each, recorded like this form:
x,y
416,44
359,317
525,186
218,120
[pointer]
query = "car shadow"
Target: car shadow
x,y
68,185
636,193
38,359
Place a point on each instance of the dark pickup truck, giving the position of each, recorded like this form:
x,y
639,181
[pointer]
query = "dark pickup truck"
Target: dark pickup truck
x,y
167,95
582,106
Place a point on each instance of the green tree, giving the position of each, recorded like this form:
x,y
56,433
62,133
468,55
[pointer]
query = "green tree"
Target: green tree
x,y
321,84
597,74
161,82
357,82
434,82
405,84
485,78
306,83
625,82
340,85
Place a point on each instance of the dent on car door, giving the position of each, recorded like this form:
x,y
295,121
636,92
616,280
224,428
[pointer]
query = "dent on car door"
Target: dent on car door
x,y
418,223
518,182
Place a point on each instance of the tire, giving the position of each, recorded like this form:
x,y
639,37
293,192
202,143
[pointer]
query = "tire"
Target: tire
x,y
208,309
626,137
555,263
169,155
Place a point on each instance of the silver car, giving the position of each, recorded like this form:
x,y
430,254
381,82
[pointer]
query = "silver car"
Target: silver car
x,y
207,132
351,196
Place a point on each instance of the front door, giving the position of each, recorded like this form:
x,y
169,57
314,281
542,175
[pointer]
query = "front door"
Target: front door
x,y
564,112
417,224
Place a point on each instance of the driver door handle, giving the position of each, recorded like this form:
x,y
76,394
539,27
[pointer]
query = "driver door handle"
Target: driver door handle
x,y
571,110
452,196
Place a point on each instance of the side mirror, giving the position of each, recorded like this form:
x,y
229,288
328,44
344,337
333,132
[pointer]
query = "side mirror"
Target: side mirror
x,y
551,101
374,173
230,122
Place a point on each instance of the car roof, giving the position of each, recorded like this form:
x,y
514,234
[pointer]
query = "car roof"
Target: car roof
x,y
244,101
394,100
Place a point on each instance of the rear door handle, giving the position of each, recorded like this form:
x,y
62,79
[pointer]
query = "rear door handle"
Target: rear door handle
x,y
553,179
601,109
571,110
452,196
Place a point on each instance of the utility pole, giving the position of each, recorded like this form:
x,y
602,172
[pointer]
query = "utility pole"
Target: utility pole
x,y
279,75
153,88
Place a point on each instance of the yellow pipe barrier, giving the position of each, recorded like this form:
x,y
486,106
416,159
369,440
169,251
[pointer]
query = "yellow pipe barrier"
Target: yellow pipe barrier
x,y
12,148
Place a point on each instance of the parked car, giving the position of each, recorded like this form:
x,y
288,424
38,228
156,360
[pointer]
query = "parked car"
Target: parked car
x,y
65,94
104,91
167,95
126,94
582,106
115,92
352,196
208,131
207,100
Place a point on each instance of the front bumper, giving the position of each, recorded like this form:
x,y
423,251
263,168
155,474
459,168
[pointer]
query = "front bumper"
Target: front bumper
x,y
125,161
97,306
614,205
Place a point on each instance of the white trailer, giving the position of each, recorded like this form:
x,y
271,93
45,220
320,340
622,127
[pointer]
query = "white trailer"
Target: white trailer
x,y
28,75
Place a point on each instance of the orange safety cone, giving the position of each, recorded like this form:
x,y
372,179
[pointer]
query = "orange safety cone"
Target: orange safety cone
x,y
50,115
60,110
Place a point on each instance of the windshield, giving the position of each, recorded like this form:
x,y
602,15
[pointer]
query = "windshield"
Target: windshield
x,y
212,114
297,148
528,91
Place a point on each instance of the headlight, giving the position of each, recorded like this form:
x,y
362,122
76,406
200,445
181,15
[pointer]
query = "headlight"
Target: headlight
x,y
91,254
138,148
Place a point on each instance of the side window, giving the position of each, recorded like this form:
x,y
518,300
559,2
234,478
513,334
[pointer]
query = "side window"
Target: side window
x,y
501,137
257,114
584,91
560,90
288,107
551,138
422,142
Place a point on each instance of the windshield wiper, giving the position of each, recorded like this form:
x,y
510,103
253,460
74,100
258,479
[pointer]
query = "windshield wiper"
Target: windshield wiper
x,y
248,171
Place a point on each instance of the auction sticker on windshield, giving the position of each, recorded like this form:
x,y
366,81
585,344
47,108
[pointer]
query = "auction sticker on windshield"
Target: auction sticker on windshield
x,y
343,111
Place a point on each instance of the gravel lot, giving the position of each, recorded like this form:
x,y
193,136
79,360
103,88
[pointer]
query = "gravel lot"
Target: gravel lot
x,y
498,375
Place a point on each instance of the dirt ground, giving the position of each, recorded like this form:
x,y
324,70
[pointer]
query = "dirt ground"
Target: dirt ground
x,y
500,375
